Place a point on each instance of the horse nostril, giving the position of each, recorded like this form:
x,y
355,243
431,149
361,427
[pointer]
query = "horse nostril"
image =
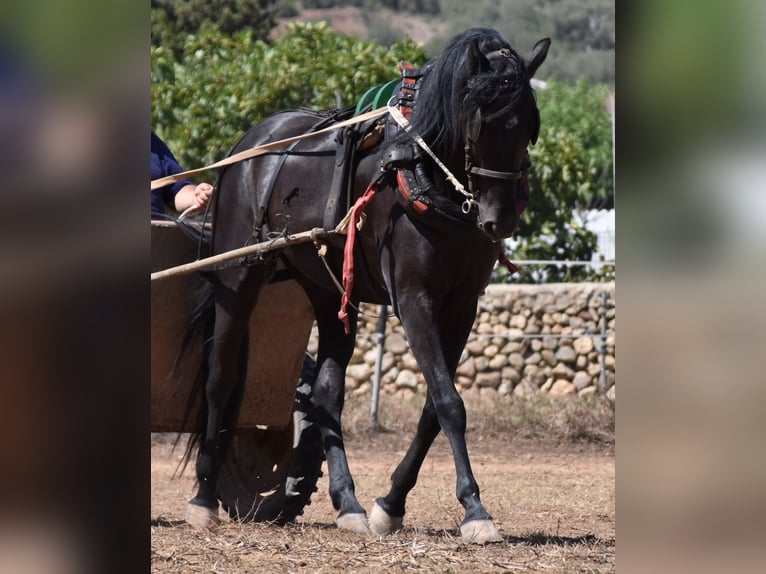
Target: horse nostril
x,y
489,228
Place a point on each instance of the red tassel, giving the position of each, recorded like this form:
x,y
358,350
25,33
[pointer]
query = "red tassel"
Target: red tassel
x,y
505,261
348,253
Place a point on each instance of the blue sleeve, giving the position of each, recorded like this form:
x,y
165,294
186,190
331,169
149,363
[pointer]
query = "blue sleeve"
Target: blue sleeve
x,y
164,163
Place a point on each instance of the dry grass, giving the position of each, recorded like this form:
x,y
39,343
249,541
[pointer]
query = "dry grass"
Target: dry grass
x,y
546,469
302,548
564,419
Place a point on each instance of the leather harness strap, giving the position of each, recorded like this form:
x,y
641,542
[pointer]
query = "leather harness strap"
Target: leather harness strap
x,y
404,188
496,174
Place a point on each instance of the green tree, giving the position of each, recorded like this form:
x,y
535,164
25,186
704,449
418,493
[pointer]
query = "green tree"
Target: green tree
x,y
571,171
222,85
173,20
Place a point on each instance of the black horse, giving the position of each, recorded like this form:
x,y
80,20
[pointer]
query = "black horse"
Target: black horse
x,y
427,247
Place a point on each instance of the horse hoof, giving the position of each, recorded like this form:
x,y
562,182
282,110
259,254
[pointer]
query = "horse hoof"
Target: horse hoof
x,y
381,522
202,517
480,532
355,522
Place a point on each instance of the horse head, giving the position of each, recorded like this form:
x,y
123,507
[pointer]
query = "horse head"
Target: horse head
x,y
498,120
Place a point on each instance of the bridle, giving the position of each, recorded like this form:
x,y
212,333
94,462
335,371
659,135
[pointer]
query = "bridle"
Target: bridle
x,y
400,109
474,171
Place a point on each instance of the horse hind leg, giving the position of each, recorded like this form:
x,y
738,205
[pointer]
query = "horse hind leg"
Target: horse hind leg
x,y
226,377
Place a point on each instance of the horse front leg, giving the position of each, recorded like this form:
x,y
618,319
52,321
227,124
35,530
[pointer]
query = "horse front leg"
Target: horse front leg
x,y
334,352
387,514
437,351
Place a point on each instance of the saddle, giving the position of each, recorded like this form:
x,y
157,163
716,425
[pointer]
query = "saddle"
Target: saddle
x,y
339,198
349,143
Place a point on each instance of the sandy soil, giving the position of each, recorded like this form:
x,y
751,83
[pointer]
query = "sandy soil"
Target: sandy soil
x,y
554,503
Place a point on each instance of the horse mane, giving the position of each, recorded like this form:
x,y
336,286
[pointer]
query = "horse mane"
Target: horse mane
x,y
437,114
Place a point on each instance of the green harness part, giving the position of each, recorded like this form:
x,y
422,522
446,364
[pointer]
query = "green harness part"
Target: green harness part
x,y
376,96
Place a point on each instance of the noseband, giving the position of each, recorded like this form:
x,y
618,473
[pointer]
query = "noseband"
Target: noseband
x,y
473,171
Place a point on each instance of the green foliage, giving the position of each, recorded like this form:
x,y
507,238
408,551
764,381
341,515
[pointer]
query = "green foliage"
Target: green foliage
x,y
583,31
571,169
174,20
220,85
203,102
580,110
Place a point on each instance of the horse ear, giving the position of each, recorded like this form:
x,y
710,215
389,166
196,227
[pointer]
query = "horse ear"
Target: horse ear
x,y
539,52
477,62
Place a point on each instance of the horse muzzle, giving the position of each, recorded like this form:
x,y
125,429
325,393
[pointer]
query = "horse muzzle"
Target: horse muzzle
x,y
499,228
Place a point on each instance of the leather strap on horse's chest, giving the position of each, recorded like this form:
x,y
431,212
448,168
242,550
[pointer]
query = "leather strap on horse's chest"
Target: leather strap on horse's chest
x,y
420,199
406,96
416,190
404,179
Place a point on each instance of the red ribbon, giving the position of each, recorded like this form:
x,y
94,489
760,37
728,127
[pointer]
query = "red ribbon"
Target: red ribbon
x,y
505,261
348,253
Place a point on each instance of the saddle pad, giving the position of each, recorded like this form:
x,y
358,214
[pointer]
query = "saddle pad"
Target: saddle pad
x,y
376,96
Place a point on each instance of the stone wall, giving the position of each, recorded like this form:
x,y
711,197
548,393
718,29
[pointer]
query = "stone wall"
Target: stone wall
x,y
526,340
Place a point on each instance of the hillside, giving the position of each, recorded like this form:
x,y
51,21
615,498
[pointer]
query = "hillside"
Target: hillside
x,y
582,30
383,25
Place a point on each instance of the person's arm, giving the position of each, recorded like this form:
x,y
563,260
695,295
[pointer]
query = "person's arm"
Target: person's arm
x,y
180,195
193,195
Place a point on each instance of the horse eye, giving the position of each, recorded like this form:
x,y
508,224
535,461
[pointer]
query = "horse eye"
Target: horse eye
x,y
511,123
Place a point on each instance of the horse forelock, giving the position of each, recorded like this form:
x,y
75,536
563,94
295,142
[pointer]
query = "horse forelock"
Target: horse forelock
x,y
498,91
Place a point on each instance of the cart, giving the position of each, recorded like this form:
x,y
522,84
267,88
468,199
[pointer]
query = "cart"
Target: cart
x,y
276,454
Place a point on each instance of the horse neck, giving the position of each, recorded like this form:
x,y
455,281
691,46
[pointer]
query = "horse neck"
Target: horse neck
x,y
454,158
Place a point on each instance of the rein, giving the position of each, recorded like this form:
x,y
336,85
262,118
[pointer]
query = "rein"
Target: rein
x,y
349,224
262,149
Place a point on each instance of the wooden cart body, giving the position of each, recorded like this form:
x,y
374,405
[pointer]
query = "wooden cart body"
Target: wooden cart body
x,y
279,331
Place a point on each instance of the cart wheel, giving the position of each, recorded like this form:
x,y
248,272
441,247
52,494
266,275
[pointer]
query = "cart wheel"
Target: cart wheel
x,y
270,475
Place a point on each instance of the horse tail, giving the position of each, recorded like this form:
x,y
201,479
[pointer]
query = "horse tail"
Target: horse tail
x,y
201,325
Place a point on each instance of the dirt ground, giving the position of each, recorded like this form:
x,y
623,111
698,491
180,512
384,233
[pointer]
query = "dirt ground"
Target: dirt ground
x,y
553,500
